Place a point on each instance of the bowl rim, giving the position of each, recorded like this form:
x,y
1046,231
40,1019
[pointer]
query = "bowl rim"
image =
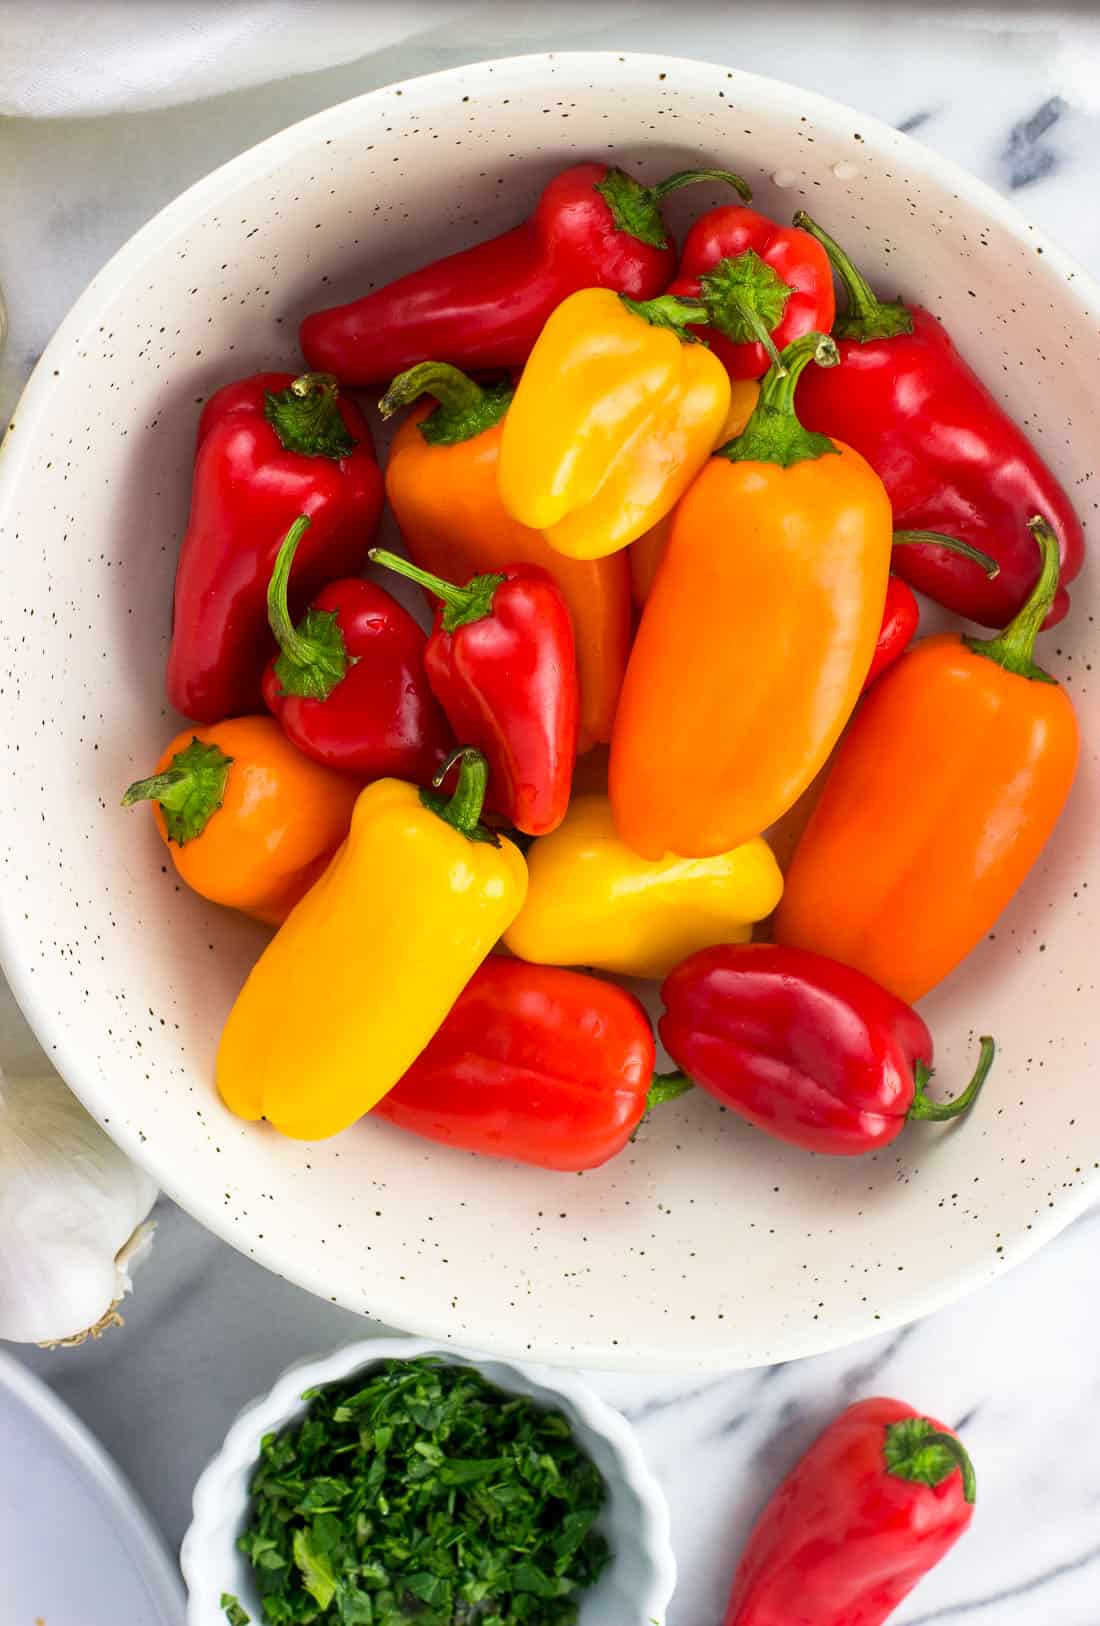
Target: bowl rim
x,y
223,1483
62,1045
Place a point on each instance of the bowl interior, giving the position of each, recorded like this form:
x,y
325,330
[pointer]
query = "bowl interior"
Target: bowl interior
x,y
704,1243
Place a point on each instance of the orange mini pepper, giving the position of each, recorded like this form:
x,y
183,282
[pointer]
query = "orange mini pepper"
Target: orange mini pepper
x,y
248,821
441,482
757,635
941,797
645,554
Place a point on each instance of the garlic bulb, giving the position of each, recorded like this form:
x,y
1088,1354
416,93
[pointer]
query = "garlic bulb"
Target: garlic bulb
x,y
72,1208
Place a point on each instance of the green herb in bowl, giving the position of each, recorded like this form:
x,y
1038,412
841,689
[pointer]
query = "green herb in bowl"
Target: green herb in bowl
x,y
421,1495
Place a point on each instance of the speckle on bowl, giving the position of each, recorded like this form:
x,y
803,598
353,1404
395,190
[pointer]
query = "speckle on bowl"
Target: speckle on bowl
x,y
704,1244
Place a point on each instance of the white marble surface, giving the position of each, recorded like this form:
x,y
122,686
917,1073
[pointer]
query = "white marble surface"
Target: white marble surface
x,y
1014,97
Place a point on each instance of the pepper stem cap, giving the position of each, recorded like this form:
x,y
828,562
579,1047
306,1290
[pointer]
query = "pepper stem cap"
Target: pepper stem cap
x,y
463,810
307,419
464,409
1014,648
773,434
461,605
917,1451
867,317
188,792
313,656
636,209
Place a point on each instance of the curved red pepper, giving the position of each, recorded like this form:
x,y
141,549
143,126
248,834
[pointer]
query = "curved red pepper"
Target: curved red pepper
x,y
533,1063
900,619
269,448
594,227
950,456
349,686
776,278
805,1048
502,663
877,1501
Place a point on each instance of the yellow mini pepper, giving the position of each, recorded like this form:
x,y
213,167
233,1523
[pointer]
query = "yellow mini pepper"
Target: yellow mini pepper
x,y
593,902
615,414
349,992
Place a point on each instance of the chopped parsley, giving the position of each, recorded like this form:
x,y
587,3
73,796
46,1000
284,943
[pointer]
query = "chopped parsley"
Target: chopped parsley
x,y
420,1495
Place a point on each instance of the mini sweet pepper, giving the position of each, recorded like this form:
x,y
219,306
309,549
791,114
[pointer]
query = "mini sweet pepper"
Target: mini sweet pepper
x,y
269,448
248,821
592,901
805,1048
616,412
368,965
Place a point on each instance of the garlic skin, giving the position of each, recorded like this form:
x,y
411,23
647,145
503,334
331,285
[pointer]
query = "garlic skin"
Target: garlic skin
x,y
71,1210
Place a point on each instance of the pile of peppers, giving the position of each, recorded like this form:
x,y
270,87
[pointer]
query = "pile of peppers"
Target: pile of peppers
x,y
661,517
664,715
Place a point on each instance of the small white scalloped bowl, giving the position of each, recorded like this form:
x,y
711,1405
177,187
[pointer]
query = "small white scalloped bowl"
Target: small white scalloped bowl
x,y
634,1590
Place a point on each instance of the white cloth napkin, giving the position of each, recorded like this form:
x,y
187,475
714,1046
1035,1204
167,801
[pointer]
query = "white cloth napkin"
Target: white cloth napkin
x,y
66,58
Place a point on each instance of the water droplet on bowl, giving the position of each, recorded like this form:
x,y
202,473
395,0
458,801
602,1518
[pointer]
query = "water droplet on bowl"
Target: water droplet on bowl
x,y
845,171
784,177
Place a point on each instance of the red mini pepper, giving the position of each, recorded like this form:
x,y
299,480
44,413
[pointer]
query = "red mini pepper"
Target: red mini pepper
x,y
805,1048
536,1064
775,281
594,227
950,456
900,620
879,1498
269,447
502,663
349,686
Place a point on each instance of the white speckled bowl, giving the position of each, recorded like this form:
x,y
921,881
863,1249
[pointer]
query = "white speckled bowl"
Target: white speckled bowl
x,y
704,1245
635,1588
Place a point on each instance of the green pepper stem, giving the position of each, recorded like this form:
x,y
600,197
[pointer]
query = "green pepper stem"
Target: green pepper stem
x,y
1014,648
279,619
915,1450
688,177
937,1112
448,385
463,605
189,791
463,407
773,434
307,419
868,317
953,544
666,1087
669,310
463,810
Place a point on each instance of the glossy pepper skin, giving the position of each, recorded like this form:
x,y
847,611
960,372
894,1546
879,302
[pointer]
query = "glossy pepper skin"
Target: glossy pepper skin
x,y
441,481
532,1063
592,901
808,1050
367,966
269,448
950,456
900,620
877,1501
943,793
777,282
502,664
349,684
646,553
593,227
757,635
614,416
248,822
